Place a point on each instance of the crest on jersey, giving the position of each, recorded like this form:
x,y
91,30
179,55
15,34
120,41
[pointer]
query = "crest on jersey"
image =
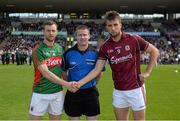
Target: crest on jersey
x,y
127,47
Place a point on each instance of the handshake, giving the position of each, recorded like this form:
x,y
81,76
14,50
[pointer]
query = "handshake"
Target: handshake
x,y
73,86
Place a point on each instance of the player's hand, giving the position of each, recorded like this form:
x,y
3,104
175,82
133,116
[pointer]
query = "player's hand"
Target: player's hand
x,y
74,86
143,76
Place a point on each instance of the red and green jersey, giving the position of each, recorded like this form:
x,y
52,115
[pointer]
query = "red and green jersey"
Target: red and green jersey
x,y
52,57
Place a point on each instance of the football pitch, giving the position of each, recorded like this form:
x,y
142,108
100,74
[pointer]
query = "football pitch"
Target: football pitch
x,y
163,93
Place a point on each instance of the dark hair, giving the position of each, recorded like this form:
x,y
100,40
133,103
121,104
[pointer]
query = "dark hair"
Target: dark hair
x,y
81,27
111,15
49,23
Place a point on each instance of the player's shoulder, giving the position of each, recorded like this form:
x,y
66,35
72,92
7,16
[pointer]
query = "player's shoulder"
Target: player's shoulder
x,y
69,50
132,37
36,47
106,41
40,46
57,45
128,35
136,36
36,50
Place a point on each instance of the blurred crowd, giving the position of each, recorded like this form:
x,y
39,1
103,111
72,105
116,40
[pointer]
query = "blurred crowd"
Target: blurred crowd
x,y
18,48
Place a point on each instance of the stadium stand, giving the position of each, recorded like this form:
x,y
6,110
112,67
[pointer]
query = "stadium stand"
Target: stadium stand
x,y
25,35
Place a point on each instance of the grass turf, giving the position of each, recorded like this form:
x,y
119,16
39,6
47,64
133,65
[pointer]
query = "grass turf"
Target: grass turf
x,y
163,93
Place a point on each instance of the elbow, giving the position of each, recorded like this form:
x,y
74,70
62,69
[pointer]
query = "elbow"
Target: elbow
x,y
156,54
45,74
97,71
154,51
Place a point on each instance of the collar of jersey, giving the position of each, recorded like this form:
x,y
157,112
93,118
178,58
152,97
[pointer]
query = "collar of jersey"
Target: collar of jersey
x,y
82,52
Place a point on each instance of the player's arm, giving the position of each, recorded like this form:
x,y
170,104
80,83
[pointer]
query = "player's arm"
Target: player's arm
x,y
94,73
64,75
40,63
154,53
99,76
52,77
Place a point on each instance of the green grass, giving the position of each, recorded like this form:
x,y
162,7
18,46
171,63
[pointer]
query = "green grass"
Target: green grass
x,y
163,93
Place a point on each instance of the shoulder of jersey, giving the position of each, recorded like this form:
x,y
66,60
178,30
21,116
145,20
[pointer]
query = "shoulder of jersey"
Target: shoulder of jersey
x,y
68,50
57,45
107,40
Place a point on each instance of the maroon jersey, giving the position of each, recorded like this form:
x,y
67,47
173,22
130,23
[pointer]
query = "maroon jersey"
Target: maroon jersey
x,y
124,59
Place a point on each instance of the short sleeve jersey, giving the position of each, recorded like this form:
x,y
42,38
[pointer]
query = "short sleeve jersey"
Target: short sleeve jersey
x,y
79,64
52,57
124,59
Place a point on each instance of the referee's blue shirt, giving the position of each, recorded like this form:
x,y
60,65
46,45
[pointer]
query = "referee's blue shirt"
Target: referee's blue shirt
x,y
79,64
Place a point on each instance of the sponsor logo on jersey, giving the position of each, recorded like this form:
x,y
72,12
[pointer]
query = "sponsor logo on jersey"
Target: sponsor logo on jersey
x,y
120,59
54,61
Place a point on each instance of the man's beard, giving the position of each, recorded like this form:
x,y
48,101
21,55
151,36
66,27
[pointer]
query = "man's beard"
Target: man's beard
x,y
49,40
116,35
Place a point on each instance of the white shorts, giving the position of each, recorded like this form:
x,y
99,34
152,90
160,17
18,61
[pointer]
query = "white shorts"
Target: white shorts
x,y
135,98
42,103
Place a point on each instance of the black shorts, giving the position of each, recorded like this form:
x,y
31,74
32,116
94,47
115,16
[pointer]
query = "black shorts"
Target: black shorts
x,y
83,102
